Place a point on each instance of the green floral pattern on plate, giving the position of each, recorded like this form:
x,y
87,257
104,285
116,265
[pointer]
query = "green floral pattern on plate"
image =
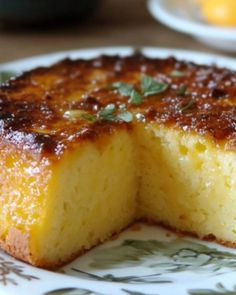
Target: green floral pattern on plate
x,y
219,289
72,291
151,279
8,268
165,259
77,291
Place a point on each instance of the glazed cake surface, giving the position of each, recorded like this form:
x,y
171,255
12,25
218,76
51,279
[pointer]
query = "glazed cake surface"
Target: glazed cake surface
x,y
141,138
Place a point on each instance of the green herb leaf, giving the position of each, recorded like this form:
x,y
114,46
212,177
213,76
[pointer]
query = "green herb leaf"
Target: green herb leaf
x,y
181,90
107,112
135,97
188,106
123,89
79,114
177,74
89,117
126,117
150,86
5,76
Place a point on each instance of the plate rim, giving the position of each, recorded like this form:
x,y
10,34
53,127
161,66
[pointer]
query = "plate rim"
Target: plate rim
x,y
158,10
90,52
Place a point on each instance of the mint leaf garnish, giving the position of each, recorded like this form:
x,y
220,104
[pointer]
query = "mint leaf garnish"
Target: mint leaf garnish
x,y
125,116
188,106
149,86
135,97
181,90
79,114
107,111
177,74
123,89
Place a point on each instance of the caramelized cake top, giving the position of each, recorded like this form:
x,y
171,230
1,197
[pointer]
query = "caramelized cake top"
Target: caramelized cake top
x,y
46,110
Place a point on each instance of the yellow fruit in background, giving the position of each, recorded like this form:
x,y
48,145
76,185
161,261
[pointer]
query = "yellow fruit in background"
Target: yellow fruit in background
x,y
219,12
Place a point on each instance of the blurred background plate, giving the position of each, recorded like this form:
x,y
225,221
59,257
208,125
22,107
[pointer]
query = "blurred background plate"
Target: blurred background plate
x,y
183,16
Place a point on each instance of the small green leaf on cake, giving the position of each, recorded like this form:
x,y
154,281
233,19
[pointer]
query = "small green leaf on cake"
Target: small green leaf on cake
x,y
150,86
107,113
79,114
125,116
123,89
135,97
181,90
188,106
177,74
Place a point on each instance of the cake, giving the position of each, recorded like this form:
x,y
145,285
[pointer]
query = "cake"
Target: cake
x,y
90,146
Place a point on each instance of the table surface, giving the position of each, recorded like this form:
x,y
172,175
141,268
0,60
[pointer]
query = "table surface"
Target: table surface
x,y
115,22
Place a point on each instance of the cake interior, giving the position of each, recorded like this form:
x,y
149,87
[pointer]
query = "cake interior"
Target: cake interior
x,y
93,191
152,172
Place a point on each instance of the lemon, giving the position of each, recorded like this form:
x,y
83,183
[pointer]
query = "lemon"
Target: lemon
x,y
219,12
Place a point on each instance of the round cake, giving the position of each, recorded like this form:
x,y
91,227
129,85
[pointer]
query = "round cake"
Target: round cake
x,y
90,146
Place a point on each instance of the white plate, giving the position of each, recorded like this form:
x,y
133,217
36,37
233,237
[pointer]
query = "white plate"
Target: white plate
x,y
144,260
183,16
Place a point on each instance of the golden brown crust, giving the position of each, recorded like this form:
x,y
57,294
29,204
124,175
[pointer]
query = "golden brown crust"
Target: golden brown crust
x,y
32,105
181,233
17,244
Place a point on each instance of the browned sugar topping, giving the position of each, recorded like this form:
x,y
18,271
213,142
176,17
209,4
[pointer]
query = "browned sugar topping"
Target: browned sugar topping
x,y
196,98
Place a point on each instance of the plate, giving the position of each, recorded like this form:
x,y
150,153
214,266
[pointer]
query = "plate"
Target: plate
x,y
143,260
184,16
